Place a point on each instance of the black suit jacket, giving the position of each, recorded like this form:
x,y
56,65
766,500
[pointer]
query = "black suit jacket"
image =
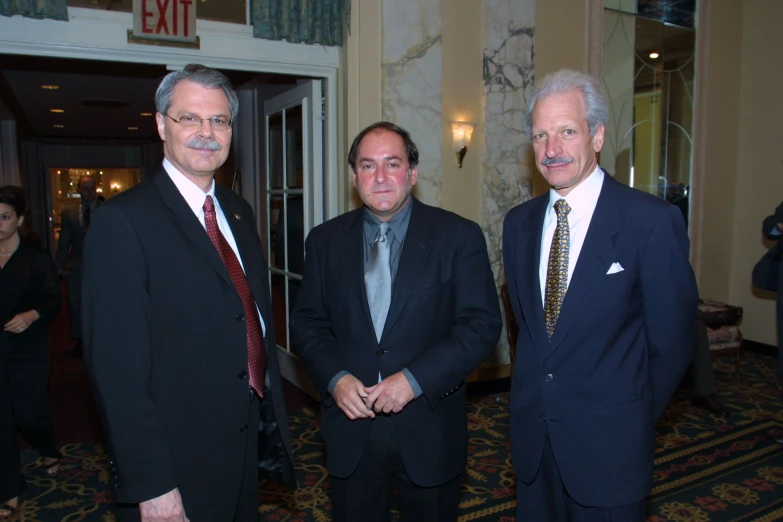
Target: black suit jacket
x,y
443,321
624,337
166,349
28,281
770,224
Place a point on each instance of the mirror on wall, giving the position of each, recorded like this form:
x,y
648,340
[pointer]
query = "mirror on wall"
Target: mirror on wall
x,y
648,71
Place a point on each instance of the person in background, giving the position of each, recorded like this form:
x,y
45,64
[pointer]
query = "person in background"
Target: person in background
x,y
772,228
605,297
75,220
30,300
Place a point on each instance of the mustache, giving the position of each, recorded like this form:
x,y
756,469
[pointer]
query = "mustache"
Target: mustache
x,y
557,160
204,144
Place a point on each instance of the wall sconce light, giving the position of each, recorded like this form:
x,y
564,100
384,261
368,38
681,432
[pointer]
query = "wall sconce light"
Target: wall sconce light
x,y
461,132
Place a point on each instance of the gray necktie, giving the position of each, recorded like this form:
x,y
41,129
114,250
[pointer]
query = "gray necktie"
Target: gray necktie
x,y
377,280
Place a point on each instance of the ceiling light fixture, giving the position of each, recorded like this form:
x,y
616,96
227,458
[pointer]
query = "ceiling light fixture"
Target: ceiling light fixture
x,y
50,87
133,128
58,111
145,114
58,126
654,55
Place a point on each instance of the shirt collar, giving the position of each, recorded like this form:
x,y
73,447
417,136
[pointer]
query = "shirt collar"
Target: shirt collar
x,y
583,197
194,196
398,223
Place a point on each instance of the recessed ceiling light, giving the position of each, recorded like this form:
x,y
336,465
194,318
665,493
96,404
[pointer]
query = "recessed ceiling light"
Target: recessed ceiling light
x,y
145,114
58,126
50,87
133,128
654,55
104,103
57,110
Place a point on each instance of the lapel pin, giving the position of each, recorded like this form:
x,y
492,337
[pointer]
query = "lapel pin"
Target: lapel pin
x,y
237,216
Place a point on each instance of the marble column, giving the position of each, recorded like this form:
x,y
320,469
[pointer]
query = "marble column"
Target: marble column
x,y
411,83
508,79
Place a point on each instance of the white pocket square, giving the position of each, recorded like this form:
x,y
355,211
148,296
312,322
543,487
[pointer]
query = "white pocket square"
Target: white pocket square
x,y
615,268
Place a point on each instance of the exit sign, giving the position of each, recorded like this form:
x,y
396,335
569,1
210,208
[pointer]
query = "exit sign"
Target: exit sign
x,y
172,20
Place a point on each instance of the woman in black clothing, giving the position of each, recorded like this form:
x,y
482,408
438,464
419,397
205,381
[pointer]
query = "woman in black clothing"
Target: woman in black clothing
x,y
29,299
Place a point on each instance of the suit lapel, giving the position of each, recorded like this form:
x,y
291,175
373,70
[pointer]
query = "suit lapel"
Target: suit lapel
x,y
529,252
189,223
597,254
354,269
415,252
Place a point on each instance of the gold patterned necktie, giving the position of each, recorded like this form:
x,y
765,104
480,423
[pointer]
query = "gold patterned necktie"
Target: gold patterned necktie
x,y
557,269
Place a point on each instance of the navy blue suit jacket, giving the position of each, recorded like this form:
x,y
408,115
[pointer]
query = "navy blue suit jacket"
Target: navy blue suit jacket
x,y
621,344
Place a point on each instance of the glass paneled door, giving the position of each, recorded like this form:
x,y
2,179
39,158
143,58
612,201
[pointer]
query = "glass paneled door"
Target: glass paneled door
x,y
294,199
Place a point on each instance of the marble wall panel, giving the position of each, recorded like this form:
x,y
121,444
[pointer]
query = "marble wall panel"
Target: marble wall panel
x,y
411,80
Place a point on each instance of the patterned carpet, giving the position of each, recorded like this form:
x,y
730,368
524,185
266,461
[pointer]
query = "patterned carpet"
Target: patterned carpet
x,y
707,468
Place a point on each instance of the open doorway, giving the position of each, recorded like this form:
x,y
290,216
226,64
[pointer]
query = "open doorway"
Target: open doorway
x,y
65,182
78,117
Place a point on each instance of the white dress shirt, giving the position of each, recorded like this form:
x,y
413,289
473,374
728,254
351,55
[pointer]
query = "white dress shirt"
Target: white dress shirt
x,y
582,200
195,198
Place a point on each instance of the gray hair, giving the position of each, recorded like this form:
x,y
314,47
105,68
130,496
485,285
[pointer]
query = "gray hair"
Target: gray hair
x,y
201,75
565,81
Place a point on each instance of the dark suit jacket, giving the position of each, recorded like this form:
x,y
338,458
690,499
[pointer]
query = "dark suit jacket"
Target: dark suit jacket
x,y
444,319
28,281
71,242
621,344
166,349
769,224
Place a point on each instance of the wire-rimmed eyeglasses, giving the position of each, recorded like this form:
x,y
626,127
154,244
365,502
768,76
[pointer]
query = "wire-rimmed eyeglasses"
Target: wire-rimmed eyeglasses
x,y
218,123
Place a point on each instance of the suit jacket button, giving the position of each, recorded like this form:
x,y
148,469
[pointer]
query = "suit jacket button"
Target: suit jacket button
x,y
243,429
380,352
240,317
549,377
242,375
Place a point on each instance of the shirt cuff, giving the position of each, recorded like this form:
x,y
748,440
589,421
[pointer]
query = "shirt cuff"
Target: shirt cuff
x,y
413,382
334,380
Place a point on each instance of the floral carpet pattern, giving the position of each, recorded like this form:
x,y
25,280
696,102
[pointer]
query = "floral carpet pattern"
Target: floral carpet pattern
x,y
707,468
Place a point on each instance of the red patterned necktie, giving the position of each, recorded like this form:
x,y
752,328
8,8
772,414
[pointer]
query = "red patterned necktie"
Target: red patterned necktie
x,y
255,340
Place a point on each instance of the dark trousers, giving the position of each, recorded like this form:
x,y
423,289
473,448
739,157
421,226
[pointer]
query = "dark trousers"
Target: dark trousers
x,y
23,407
365,496
200,507
780,326
701,367
546,499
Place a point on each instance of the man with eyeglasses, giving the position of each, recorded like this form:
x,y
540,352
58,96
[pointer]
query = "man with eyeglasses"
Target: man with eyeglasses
x,y
179,340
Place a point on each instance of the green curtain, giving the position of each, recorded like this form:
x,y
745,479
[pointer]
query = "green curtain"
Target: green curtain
x,y
323,22
56,9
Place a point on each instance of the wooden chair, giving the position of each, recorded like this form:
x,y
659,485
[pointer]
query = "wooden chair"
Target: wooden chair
x,y
723,332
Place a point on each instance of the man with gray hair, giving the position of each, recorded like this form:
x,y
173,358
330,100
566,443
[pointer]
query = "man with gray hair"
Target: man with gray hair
x,y
179,336
605,298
